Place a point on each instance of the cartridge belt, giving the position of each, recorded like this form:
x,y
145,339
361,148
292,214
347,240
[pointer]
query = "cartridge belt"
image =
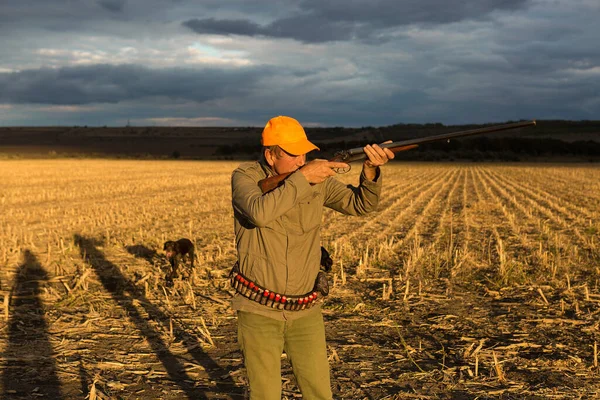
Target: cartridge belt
x,y
255,292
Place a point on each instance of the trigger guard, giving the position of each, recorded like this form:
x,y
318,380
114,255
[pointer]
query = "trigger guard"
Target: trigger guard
x,y
341,170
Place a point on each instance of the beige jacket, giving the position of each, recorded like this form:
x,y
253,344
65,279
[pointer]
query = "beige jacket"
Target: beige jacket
x,y
278,233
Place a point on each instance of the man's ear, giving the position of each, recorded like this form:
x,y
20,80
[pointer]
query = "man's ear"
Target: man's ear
x,y
269,157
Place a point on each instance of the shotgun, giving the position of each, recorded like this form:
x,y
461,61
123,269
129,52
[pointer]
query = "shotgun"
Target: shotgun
x,y
358,153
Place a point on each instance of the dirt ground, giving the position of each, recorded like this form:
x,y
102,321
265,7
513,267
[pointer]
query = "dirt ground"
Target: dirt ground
x,y
469,282
118,341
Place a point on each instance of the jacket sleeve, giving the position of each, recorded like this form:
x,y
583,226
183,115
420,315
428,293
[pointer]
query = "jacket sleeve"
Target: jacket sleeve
x,y
261,209
352,200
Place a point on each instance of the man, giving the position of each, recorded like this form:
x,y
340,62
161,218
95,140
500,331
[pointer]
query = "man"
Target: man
x,y
278,245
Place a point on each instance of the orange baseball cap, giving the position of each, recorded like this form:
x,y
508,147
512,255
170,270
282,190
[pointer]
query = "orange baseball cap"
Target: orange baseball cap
x,y
288,134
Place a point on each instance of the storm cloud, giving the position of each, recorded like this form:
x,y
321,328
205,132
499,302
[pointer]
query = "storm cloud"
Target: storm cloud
x,y
319,21
117,83
112,5
326,62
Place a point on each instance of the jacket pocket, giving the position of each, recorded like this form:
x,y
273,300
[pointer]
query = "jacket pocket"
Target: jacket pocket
x,y
311,212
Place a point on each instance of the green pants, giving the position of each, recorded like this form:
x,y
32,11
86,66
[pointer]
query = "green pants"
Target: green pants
x,y
263,340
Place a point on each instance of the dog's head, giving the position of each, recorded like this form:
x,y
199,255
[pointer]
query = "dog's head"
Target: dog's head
x,y
171,248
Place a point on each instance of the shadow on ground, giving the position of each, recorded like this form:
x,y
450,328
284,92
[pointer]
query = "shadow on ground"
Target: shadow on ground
x,y
29,363
124,292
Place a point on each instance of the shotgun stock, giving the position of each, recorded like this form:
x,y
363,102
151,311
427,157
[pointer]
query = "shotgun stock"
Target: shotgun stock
x,y
358,153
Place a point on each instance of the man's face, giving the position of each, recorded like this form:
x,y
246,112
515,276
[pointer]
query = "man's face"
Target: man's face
x,y
281,161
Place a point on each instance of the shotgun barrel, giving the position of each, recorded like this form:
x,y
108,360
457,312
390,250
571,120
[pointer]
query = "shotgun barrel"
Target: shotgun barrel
x,y
358,153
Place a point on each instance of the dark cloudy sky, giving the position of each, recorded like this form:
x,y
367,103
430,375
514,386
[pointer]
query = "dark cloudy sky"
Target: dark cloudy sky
x,y
324,62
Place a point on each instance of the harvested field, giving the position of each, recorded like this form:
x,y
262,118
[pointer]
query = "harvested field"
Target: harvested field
x,y
470,281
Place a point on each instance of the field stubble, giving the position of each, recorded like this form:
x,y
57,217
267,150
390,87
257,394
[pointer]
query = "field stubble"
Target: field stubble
x,y
471,280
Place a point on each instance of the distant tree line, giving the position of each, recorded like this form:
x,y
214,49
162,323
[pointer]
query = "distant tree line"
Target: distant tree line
x,y
508,147
474,149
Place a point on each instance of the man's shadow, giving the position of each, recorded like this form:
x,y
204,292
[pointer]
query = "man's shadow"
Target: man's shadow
x,y
156,260
141,251
29,364
124,292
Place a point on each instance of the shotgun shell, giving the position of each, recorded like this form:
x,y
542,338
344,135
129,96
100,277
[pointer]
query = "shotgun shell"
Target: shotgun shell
x,y
304,302
298,304
261,296
238,283
259,292
267,301
265,297
245,290
277,300
283,303
249,290
271,299
291,303
253,288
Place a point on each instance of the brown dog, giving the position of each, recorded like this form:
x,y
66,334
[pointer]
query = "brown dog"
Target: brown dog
x,y
175,251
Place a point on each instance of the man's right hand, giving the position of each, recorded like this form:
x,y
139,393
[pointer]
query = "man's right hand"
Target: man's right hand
x,y
317,171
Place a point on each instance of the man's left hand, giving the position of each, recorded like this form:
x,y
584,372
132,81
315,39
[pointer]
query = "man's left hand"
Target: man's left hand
x,y
376,157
